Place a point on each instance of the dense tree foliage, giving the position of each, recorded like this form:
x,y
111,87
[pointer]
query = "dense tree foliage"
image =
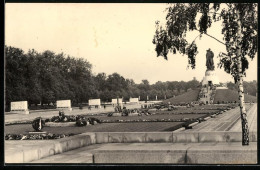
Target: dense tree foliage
x,y
47,77
249,87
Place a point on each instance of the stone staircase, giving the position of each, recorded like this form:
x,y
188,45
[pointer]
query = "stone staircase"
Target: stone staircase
x,y
207,94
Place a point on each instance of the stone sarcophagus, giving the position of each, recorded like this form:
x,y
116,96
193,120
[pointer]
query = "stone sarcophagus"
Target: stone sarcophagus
x,y
63,104
94,102
134,100
19,107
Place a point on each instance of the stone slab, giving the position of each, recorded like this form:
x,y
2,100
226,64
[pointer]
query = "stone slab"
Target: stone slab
x,y
94,102
19,106
225,136
16,156
101,137
139,153
195,153
126,137
181,137
134,100
63,104
159,137
32,150
114,101
159,153
222,153
80,155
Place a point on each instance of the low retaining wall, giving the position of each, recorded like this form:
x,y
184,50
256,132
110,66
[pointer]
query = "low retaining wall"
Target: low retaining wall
x,y
171,137
27,151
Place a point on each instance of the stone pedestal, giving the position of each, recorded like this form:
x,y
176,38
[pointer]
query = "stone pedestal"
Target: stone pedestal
x,y
206,94
210,76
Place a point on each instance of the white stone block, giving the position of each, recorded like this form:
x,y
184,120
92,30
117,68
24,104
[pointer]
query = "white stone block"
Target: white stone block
x,y
64,104
134,100
114,101
20,107
94,102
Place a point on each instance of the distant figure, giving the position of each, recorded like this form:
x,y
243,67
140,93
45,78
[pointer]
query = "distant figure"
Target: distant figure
x,y
104,106
209,60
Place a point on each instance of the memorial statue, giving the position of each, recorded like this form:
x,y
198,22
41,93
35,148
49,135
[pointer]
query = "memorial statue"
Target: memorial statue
x,y
209,60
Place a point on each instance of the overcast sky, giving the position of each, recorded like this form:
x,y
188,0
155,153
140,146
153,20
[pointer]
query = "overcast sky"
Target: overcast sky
x,y
112,37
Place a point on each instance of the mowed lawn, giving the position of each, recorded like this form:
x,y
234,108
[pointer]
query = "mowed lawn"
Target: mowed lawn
x,y
231,95
187,97
104,127
111,127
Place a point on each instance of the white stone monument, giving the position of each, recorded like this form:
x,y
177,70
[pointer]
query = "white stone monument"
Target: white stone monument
x,y
210,77
134,100
20,107
94,102
209,80
64,104
114,101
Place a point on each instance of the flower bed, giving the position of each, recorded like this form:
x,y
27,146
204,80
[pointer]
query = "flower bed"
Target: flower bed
x,y
36,136
149,120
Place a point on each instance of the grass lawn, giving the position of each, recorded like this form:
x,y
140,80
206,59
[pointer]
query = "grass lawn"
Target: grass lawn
x,y
231,95
104,127
111,127
189,96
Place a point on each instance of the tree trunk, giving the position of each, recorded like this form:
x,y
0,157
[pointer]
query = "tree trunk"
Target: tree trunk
x,y
244,123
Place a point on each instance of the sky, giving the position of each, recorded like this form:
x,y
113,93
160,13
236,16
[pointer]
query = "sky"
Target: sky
x,y
112,37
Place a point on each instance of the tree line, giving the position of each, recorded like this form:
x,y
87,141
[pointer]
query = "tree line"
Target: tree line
x,y
250,87
47,77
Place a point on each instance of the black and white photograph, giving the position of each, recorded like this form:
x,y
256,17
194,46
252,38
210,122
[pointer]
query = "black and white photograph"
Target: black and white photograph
x,y
130,83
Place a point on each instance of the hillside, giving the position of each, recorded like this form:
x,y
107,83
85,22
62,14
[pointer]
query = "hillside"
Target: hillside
x,y
189,96
231,95
225,95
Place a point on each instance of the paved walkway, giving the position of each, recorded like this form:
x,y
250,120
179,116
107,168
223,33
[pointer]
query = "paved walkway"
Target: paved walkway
x,y
228,121
252,120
